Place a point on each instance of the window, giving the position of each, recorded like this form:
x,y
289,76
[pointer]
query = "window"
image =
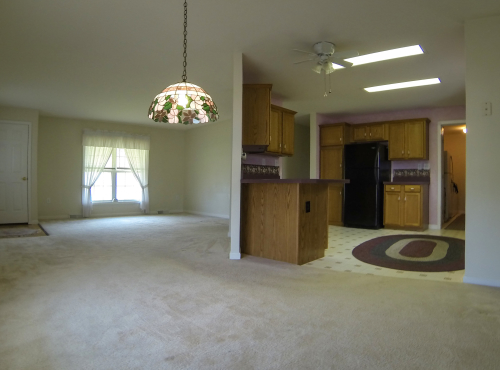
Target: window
x,y
117,182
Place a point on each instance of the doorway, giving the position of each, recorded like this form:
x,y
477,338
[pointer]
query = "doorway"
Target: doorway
x,y
453,176
14,165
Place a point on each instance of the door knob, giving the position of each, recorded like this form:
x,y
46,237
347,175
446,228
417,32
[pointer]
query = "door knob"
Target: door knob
x,y
24,178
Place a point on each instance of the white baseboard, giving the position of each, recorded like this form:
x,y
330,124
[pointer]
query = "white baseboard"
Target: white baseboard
x,y
478,281
208,214
56,217
33,222
434,227
100,215
234,256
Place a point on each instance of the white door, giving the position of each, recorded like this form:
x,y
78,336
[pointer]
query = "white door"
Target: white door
x,y
13,173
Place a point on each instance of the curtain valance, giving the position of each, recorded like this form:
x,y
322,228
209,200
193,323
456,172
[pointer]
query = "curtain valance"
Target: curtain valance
x,y
113,139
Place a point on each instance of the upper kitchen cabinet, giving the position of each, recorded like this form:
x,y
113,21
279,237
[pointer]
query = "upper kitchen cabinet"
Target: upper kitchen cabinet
x,y
282,131
372,132
266,128
409,139
334,134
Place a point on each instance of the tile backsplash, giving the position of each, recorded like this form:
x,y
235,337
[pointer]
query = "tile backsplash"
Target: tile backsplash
x,y
253,171
404,173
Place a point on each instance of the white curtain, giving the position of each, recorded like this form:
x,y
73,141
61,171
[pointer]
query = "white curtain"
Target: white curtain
x,y
98,146
94,160
139,163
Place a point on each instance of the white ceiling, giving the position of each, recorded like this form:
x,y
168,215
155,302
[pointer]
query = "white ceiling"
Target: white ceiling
x,y
107,59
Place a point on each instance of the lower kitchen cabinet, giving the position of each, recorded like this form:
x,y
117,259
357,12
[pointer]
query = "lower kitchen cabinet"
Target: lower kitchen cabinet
x,y
406,206
335,205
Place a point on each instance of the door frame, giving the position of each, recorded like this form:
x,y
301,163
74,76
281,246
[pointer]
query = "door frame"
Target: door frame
x,y
31,219
439,140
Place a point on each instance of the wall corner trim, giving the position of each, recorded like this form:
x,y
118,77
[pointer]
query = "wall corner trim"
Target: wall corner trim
x,y
478,281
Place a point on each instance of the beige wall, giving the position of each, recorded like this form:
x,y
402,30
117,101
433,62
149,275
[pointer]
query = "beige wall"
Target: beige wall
x,y
482,252
297,166
31,116
60,167
208,164
454,144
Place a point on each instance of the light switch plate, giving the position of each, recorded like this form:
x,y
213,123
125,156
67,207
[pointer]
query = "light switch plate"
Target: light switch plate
x,y
487,109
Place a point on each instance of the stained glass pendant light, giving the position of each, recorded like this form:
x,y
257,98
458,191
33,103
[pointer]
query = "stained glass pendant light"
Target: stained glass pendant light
x,y
183,102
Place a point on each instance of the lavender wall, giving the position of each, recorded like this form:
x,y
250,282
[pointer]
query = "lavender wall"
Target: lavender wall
x,y
434,114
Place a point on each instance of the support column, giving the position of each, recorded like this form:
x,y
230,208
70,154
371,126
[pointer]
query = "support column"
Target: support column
x,y
234,226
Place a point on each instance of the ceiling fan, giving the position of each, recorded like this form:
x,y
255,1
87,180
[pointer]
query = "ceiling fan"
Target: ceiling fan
x,y
324,55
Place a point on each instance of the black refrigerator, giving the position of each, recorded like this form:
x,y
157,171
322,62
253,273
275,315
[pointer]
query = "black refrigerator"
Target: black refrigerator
x,y
367,167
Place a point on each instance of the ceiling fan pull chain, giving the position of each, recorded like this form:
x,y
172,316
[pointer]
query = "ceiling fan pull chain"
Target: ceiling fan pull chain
x,y
325,83
330,81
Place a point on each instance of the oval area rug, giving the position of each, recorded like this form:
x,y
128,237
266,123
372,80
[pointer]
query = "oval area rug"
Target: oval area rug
x,y
427,253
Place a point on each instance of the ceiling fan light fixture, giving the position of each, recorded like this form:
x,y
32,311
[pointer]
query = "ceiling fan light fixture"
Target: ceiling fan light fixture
x,y
386,55
403,85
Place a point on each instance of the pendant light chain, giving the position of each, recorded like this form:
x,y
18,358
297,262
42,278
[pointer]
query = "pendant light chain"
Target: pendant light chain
x,y
184,76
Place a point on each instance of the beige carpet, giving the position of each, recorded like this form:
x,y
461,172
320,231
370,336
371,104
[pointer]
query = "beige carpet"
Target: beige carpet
x,y
159,292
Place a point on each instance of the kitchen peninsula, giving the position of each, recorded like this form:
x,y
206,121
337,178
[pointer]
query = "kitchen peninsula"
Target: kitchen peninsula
x,y
284,219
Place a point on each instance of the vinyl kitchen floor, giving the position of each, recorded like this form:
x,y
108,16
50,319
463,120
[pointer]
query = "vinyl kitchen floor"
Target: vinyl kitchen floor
x,y
342,240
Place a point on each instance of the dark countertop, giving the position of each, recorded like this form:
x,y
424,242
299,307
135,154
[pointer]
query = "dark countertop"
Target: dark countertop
x,y
293,181
397,182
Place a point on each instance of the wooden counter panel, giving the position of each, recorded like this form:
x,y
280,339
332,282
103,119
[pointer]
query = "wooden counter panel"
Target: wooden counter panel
x,y
269,221
313,226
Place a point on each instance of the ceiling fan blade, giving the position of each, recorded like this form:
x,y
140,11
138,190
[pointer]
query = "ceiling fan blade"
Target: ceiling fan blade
x,y
303,61
341,62
346,54
305,52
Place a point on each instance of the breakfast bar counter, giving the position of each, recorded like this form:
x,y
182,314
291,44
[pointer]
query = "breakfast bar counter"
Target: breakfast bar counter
x,y
285,220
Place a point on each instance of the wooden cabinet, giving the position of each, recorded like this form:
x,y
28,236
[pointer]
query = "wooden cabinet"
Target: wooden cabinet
x,y
282,131
372,132
406,207
256,114
266,128
335,204
409,139
331,162
334,134
332,140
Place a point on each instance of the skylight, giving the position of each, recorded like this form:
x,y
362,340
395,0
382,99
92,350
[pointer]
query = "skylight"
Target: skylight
x,y
383,55
403,85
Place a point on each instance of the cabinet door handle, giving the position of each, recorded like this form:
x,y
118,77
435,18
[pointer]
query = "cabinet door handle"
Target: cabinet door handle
x,y
412,188
340,139
408,152
285,146
270,138
399,198
280,145
341,165
405,199
402,152
392,188
370,134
